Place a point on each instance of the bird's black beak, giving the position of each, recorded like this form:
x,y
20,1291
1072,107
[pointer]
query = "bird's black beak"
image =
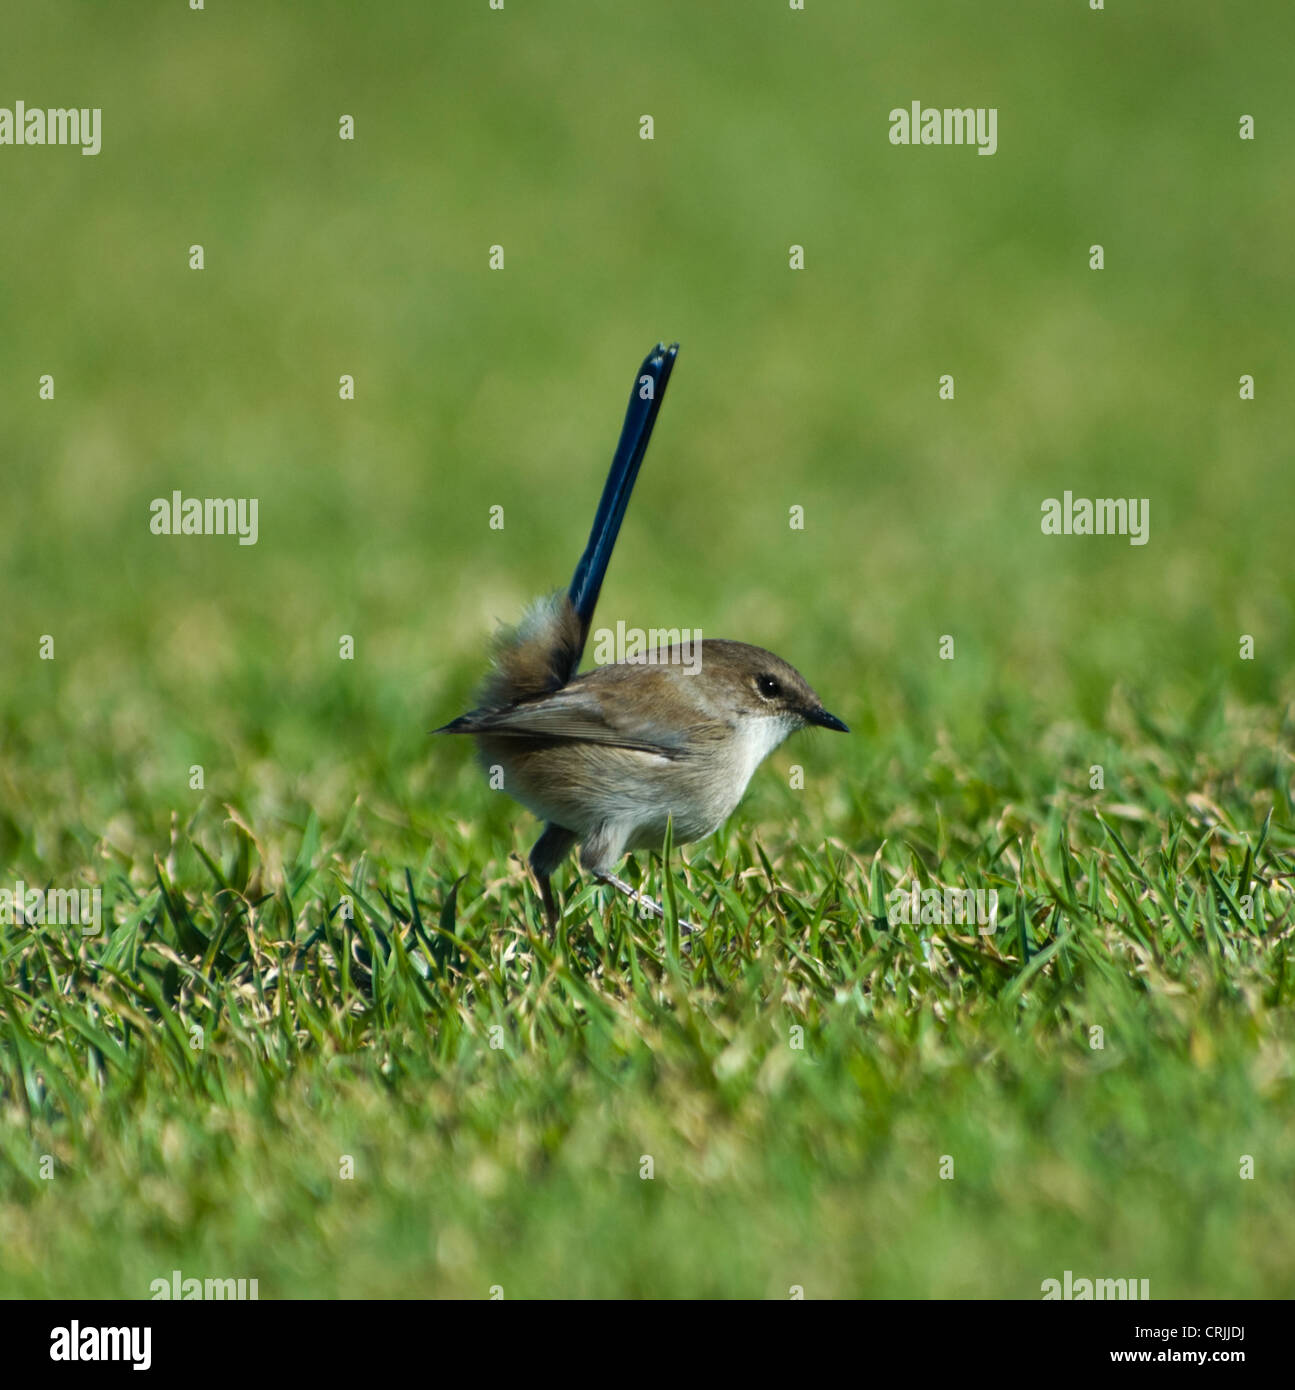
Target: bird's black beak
x,y
821,717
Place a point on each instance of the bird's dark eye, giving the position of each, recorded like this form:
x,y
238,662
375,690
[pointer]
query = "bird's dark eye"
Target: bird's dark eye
x,y
768,687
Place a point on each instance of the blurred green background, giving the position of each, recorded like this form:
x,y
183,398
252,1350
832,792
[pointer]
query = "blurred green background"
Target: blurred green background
x,y
475,388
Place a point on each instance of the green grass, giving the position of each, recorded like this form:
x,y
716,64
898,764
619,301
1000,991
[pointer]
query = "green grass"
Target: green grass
x,y
199,1075
196,1074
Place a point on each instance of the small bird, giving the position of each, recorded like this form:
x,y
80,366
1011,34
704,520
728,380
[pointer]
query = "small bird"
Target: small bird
x,y
608,757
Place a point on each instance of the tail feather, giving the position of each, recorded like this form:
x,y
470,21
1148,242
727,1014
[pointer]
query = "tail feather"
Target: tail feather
x,y
640,418
540,655
543,652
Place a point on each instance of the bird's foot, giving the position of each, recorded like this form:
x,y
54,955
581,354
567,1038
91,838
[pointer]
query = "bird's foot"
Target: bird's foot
x,y
646,904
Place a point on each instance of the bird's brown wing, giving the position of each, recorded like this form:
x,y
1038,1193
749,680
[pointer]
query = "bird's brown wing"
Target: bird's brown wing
x,y
572,713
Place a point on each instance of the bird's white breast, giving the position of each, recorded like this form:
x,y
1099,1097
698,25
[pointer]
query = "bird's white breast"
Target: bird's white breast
x,y
753,740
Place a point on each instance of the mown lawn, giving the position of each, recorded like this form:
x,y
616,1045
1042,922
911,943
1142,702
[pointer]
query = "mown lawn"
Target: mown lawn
x,y
433,1096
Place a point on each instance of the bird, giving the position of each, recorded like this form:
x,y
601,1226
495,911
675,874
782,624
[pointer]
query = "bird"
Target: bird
x,y
606,758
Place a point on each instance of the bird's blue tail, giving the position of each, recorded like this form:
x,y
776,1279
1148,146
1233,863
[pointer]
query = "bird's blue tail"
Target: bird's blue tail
x,y
645,401
543,653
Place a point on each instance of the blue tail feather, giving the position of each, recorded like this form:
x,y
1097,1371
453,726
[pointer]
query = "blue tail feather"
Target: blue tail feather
x,y
637,430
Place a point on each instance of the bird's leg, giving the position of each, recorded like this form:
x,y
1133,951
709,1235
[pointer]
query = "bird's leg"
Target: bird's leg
x,y
653,907
549,851
551,912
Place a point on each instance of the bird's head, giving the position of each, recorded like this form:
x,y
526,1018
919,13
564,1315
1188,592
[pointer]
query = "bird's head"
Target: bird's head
x,y
755,684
